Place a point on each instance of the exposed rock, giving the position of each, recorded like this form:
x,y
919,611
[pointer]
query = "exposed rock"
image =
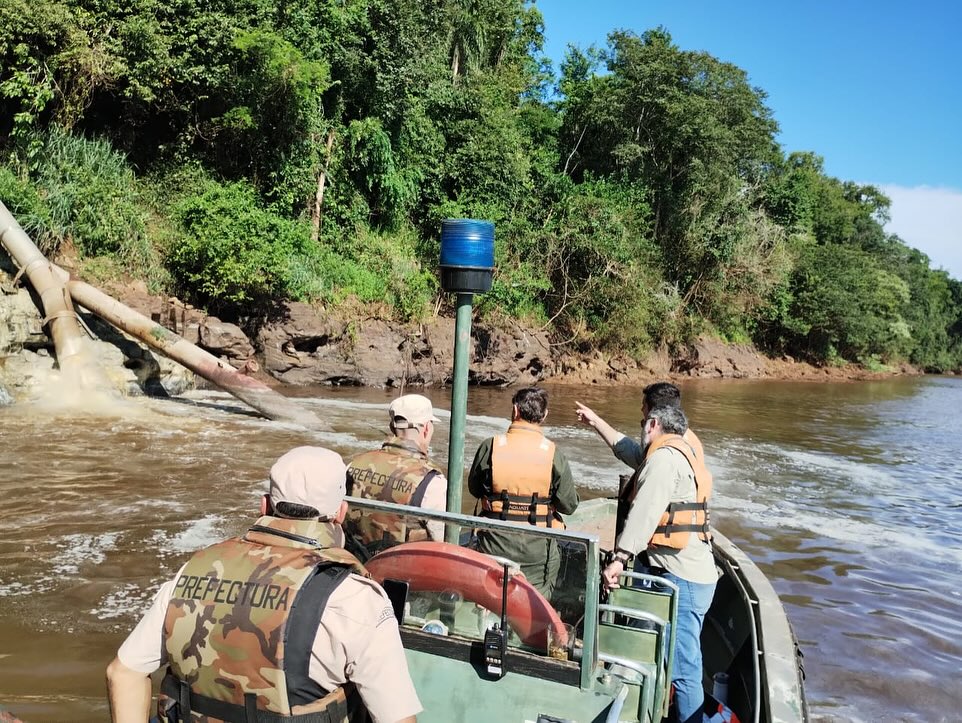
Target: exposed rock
x,y
221,338
135,368
503,357
657,364
305,345
714,358
19,321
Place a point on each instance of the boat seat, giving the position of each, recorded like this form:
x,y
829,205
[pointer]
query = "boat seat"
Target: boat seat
x,y
649,596
625,634
656,602
639,680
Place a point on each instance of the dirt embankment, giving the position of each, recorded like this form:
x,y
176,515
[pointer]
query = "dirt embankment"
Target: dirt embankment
x,y
305,344
302,344
709,358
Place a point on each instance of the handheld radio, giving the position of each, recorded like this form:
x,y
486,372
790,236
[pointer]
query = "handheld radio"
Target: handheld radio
x,y
496,637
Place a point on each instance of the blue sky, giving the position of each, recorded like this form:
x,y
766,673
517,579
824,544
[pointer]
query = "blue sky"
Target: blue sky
x,y
875,88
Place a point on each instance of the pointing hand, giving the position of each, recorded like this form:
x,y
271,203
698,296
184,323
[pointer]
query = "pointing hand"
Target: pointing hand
x,y
586,415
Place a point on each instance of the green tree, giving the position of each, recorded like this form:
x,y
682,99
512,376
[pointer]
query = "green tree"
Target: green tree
x,y
847,305
688,127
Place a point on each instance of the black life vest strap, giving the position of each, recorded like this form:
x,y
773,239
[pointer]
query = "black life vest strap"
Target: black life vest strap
x,y
519,508
302,624
183,695
250,707
668,529
191,702
418,497
687,506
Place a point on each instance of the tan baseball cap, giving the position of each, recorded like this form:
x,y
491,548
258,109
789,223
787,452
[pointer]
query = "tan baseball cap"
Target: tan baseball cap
x,y
412,409
312,476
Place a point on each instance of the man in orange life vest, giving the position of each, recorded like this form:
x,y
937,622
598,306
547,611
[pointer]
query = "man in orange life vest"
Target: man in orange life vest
x,y
627,449
666,517
521,477
279,622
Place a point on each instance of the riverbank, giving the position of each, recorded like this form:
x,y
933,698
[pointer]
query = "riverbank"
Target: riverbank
x,y
713,359
351,345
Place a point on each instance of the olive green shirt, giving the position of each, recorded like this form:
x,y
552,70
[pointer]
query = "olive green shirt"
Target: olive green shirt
x,y
564,498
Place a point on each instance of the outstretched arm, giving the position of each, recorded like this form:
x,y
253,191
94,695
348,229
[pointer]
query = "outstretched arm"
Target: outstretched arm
x,y
129,693
608,433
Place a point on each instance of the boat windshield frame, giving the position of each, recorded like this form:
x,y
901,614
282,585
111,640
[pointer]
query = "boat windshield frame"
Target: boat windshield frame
x,y
592,581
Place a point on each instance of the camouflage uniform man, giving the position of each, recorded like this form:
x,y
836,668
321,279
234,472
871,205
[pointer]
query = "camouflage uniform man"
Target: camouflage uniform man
x,y
400,471
235,643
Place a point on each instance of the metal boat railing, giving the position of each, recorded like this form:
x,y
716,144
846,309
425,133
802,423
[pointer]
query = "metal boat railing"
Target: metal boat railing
x,y
454,522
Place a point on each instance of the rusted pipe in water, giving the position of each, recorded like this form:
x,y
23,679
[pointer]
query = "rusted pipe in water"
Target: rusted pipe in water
x,y
249,390
73,355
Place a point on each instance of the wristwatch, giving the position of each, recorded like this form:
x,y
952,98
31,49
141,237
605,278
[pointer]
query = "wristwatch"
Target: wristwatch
x,y
621,556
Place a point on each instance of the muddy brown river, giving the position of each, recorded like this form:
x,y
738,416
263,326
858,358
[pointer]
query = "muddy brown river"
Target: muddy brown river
x,y
845,494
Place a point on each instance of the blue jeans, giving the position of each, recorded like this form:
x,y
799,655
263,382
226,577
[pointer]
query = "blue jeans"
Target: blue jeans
x,y
694,599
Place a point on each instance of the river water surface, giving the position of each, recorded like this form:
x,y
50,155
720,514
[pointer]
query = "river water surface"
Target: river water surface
x,y
846,495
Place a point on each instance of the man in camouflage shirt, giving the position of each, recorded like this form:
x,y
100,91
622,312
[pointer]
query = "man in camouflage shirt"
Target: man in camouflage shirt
x,y
400,471
235,642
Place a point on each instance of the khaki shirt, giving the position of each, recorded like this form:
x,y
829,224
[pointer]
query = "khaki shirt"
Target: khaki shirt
x,y
357,641
630,451
666,477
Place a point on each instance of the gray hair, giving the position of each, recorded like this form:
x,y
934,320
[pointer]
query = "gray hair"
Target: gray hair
x,y
671,419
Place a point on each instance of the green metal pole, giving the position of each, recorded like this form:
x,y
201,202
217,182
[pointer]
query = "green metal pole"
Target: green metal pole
x,y
459,409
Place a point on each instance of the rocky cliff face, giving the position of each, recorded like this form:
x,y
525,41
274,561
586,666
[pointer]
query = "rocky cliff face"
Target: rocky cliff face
x,y
299,344
304,344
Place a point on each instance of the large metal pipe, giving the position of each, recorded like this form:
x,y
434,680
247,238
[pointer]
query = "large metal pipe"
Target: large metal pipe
x,y
73,354
257,394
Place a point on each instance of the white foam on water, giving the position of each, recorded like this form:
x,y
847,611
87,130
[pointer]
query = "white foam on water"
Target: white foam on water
x,y
597,477
863,474
196,535
858,532
78,549
127,601
339,439
18,588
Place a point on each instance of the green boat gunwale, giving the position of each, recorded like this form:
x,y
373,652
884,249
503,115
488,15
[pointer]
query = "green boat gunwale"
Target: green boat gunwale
x,y
764,661
589,655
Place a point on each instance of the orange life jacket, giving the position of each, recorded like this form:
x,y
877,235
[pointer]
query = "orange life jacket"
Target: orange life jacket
x,y
682,518
521,465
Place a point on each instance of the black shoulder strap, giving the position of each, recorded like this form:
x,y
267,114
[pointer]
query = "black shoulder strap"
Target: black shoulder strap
x,y
418,497
302,624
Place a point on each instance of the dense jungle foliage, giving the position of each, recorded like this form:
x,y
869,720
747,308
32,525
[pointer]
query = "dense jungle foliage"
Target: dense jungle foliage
x,y
236,153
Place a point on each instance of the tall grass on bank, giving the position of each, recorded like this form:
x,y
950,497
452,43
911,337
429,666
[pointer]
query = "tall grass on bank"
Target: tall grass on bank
x,y
80,190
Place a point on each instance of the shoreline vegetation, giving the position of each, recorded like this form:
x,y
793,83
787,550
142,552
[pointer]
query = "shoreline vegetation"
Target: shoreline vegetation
x,y
646,218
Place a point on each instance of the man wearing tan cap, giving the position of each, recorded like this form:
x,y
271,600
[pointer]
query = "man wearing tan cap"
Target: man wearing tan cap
x,y
400,471
237,645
